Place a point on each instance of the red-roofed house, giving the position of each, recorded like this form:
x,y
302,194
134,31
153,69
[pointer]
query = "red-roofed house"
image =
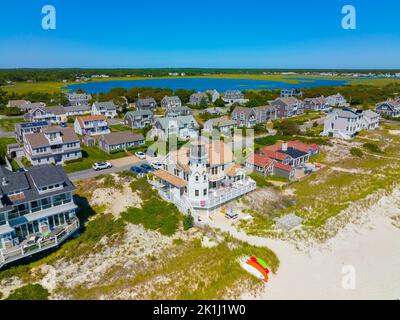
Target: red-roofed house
x,y
281,159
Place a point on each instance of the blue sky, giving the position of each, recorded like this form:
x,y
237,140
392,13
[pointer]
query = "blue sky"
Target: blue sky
x,y
193,33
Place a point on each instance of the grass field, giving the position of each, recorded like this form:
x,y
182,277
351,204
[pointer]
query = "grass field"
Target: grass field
x,y
7,124
346,180
25,87
90,156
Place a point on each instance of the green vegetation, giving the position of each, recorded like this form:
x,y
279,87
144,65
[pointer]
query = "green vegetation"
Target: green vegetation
x,y
154,214
372,147
119,127
187,222
260,180
29,292
191,271
356,152
286,127
3,147
90,155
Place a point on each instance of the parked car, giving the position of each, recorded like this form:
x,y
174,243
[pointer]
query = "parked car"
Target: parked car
x,y
156,165
138,171
101,166
63,125
140,155
22,170
147,168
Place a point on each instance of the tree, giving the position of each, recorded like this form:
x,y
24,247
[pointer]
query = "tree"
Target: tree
x,y
188,222
203,103
286,127
184,94
219,103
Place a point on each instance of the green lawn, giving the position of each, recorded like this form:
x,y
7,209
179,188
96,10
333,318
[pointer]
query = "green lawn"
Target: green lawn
x,y
119,127
7,124
90,156
3,147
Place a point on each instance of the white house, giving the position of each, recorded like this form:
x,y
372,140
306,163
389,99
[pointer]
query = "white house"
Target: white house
x,y
234,96
53,145
91,125
171,102
370,120
185,127
346,123
39,212
224,125
202,176
337,100
214,95
107,109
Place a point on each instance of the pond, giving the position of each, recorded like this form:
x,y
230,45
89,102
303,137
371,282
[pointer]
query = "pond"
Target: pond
x,y
202,84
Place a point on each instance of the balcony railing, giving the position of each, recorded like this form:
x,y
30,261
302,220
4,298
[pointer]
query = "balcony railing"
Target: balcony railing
x,y
56,237
227,194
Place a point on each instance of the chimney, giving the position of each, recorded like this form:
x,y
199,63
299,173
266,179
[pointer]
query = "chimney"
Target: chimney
x,y
284,146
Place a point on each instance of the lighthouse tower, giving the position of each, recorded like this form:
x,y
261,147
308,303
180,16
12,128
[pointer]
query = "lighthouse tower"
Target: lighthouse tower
x,y
198,179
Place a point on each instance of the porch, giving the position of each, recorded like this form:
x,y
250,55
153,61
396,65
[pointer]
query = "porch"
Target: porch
x,y
39,242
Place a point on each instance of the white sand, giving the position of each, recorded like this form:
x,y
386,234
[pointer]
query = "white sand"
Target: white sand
x,y
373,248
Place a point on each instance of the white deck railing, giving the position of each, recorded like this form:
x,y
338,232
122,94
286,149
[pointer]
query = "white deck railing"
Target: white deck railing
x,y
21,251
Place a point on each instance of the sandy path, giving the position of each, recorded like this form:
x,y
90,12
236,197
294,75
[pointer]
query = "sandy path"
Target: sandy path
x,y
373,249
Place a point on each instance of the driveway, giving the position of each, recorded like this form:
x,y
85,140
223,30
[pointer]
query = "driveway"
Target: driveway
x,y
123,164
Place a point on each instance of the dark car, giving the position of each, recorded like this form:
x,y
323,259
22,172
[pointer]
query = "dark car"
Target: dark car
x,y
147,168
138,171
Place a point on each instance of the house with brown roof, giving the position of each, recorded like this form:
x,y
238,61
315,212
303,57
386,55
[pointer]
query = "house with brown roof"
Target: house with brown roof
x,y
202,176
53,115
91,125
53,145
122,140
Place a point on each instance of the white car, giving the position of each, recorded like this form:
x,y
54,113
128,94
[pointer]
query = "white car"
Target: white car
x,y
156,165
140,155
101,166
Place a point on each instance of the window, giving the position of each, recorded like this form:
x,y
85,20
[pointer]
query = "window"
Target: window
x,y
196,193
204,192
197,178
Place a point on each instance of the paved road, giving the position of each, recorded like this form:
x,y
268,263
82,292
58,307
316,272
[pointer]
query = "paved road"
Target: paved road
x,y
90,173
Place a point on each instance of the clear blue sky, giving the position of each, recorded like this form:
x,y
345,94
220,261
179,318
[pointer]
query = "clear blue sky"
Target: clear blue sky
x,y
194,33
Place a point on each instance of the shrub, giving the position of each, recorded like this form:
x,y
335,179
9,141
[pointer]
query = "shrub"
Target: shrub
x,y
372,147
155,214
117,151
356,152
286,127
188,222
73,161
29,292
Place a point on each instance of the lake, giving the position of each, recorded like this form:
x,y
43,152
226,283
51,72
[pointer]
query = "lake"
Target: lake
x,y
202,84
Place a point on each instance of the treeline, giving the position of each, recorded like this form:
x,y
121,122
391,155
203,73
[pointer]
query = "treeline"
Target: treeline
x,y
21,75
357,95
133,94
51,99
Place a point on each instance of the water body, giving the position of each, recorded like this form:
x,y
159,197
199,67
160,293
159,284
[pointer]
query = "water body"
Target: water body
x,y
202,84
